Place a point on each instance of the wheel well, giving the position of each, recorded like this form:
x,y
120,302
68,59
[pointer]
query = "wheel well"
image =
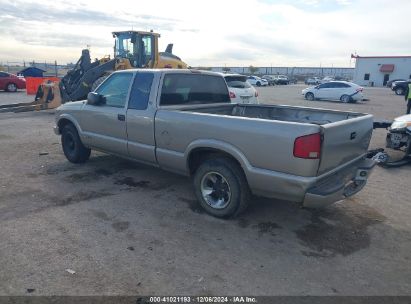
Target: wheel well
x,y
198,156
64,122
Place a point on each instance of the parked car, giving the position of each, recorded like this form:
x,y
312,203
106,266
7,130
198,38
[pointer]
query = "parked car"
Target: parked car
x,y
241,91
281,79
183,121
257,81
312,81
335,90
270,79
10,82
399,87
391,82
292,80
327,79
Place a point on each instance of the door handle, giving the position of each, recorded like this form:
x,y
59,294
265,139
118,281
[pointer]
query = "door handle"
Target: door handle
x,y
121,117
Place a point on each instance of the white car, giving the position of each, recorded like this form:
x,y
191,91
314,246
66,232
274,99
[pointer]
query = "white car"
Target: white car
x,y
335,90
257,81
241,91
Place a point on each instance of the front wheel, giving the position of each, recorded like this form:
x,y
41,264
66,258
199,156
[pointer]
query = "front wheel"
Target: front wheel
x,y
309,96
73,148
258,84
399,91
221,187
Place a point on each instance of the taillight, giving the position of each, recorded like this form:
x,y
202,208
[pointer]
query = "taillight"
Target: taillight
x,y
308,146
232,95
256,94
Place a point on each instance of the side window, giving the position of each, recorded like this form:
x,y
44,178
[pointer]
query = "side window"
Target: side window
x,y
140,92
324,86
339,85
3,74
193,89
115,89
367,76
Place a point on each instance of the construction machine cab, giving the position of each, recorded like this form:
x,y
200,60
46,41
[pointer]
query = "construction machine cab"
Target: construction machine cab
x,y
140,48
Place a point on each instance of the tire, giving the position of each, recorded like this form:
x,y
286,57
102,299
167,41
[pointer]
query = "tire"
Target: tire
x,y
399,91
98,82
345,98
73,148
225,180
396,164
258,84
11,87
309,96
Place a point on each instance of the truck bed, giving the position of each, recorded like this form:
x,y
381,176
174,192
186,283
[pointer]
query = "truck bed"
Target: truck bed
x,y
273,129
278,112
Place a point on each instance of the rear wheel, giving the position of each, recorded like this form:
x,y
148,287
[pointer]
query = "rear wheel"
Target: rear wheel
x,y
11,87
221,187
309,96
345,98
73,148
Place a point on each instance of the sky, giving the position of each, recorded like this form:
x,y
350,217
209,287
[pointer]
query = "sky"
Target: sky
x,y
210,32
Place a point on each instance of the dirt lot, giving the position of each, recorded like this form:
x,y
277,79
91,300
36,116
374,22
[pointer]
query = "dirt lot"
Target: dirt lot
x,y
128,229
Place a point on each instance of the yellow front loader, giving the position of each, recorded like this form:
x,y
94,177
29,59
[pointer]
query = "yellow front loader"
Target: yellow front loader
x,y
132,49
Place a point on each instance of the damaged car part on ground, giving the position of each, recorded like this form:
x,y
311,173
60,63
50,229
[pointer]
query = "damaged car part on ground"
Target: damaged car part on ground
x,y
398,139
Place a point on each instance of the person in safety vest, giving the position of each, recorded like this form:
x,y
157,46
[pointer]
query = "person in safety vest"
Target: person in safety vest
x,y
408,97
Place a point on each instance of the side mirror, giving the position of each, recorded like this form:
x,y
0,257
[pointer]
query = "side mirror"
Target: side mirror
x,y
317,87
95,99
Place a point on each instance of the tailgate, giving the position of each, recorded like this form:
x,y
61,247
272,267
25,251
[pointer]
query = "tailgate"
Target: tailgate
x,y
344,141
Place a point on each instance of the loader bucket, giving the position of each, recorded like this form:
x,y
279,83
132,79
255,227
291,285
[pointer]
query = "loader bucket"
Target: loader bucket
x,y
47,97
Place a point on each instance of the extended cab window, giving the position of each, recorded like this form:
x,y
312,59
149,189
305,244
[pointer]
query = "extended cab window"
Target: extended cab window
x,y
181,89
115,89
140,93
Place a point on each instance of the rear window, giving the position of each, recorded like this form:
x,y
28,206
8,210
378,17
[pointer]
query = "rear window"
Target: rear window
x,y
238,82
180,89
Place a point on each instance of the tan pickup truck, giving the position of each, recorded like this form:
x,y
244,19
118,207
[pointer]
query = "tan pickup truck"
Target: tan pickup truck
x,y
183,121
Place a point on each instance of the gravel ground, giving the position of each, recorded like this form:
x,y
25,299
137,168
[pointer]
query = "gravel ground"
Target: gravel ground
x,y
19,96
128,229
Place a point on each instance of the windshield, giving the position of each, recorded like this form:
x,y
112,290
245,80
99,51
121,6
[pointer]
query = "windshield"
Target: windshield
x,y
136,47
124,46
239,82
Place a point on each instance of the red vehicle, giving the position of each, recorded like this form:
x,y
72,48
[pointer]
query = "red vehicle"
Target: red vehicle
x,y
10,82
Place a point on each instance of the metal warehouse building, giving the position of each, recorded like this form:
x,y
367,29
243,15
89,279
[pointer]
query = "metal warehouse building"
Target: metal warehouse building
x,y
378,70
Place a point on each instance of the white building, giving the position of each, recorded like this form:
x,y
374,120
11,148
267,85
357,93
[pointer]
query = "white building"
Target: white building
x,y
378,70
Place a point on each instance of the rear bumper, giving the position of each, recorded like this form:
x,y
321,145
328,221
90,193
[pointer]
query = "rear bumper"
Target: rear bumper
x,y
340,185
